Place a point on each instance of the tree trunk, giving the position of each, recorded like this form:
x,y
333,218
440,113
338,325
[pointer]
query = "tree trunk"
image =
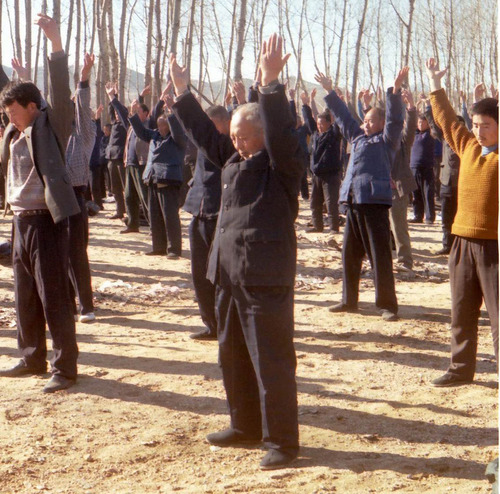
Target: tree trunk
x,y
240,41
176,24
122,67
149,44
341,41
70,25
113,53
357,53
78,42
189,38
157,90
17,33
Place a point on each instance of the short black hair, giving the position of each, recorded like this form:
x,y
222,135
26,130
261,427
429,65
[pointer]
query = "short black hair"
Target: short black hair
x,y
108,125
326,115
144,107
421,116
23,93
218,112
487,107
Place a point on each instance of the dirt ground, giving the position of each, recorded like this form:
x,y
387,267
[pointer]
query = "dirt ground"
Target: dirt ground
x,y
147,394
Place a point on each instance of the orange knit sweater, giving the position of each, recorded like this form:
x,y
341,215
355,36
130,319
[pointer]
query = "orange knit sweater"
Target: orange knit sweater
x,y
477,209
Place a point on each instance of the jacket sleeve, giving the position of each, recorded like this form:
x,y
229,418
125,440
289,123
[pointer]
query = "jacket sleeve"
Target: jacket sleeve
x,y
62,110
140,131
293,109
84,124
466,117
436,132
217,147
409,130
176,131
309,121
455,133
155,113
348,126
393,119
121,112
282,142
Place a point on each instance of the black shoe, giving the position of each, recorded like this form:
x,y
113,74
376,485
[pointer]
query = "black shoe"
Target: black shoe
x,y
173,255
229,437
203,335
58,383
155,253
387,315
21,369
275,459
130,230
429,222
341,307
442,252
314,230
414,220
449,379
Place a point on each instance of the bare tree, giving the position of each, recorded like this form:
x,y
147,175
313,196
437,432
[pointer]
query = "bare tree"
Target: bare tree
x,y
122,66
176,24
357,52
240,40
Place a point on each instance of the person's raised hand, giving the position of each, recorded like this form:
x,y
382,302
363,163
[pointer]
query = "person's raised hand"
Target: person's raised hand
x,y
367,98
88,63
145,91
134,107
434,73
179,75
272,59
400,78
305,98
324,81
51,30
98,112
110,90
239,92
292,93
22,72
313,94
479,92
463,97
408,99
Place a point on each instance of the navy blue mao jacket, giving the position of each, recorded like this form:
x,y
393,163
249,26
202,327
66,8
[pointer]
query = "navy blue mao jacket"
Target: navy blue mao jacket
x,y
368,174
166,154
255,242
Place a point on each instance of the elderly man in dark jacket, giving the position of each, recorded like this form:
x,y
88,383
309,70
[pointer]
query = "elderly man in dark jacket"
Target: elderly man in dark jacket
x,y
40,195
366,190
163,174
253,258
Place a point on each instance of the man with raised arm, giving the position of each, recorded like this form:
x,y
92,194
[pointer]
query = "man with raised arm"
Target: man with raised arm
x,y
253,257
473,260
366,191
40,195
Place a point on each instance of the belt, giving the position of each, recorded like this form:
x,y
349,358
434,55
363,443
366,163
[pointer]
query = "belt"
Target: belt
x,y
32,212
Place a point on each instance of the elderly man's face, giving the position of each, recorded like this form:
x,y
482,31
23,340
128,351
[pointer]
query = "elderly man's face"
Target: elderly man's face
x,y
247,138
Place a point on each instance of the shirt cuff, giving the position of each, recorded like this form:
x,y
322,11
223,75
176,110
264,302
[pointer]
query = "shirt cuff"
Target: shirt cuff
x,y
270,88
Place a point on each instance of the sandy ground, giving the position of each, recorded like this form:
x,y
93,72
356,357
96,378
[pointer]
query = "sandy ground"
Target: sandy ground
x,y
147,394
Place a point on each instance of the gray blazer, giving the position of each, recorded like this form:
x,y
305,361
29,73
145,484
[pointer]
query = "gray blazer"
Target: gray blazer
x,y
47,139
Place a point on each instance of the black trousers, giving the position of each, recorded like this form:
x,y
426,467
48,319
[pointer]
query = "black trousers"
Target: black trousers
x,y
423,197
257,358
367,231
448,211
40,263
136,194
325,189
97,184
201,235
79,269
117,177
473,267
164,218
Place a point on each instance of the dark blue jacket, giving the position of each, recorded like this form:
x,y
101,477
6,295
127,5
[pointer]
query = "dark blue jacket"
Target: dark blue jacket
x,y
255,243
368,174
325,147
422,151
97,158
166,154
116,144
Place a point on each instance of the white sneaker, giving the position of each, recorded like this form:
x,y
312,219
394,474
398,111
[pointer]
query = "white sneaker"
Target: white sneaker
x,y
89,317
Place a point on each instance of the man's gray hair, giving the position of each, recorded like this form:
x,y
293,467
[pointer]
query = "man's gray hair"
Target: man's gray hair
x,y
250,113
